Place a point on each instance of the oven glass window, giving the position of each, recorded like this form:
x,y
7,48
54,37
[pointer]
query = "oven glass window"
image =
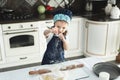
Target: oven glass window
x,y
21,41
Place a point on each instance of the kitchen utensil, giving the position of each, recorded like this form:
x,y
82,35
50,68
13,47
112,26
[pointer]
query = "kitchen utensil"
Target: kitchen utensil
x,y
107,67
108,9
77,74
70,67
104,76
41,71
6,10
89,6
115,12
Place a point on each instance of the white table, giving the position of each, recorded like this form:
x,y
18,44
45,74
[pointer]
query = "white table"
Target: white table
x,y
22,74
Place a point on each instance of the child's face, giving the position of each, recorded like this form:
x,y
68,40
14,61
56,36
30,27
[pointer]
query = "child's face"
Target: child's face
x,y
61,26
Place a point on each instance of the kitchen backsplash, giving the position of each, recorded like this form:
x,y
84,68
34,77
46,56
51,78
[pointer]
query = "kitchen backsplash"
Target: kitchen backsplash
x,y
30,6
21,6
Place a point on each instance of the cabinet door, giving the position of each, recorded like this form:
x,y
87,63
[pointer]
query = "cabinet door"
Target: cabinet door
x,y
43,44
42,40
96,38
1,47
0,54
114,38
74,38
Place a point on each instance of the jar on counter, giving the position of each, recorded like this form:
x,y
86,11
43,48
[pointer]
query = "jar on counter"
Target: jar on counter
x,y
115,12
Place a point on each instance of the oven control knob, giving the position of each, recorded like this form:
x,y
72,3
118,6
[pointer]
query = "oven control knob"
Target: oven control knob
x,y
9,27
31,25
21,26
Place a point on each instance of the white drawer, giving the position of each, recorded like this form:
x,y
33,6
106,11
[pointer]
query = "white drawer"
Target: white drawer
x,y
19,26
22,58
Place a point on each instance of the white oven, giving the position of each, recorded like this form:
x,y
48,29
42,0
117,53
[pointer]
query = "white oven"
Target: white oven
x,y
21,38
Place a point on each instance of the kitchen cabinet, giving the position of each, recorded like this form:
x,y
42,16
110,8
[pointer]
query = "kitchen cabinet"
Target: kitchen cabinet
x,y
101,38
75,38
43,44
85,37
20,43
2,59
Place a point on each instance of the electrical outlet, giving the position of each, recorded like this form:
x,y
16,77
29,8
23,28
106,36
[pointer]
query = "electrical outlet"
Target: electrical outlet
x,y
112,1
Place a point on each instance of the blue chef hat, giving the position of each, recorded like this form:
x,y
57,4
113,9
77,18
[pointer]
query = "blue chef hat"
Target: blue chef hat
x,y
63,14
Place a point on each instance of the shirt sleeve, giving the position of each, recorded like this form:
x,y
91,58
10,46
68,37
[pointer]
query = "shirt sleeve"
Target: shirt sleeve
x,y
49,37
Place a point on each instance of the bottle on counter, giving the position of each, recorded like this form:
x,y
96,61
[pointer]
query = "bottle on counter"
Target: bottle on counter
x,y
108,9
89,6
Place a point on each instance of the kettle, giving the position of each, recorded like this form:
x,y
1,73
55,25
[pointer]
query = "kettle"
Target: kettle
x,y
115,12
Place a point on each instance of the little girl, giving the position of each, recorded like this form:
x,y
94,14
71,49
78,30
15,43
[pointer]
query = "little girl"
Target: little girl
x,y
56,38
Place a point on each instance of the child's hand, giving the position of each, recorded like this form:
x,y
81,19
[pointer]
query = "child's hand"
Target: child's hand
x,y
61,36
55,30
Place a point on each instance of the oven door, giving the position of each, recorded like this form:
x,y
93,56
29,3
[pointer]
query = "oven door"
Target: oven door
x,y
21,42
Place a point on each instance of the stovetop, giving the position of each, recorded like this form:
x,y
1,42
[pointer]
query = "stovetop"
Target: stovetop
x,y
15,17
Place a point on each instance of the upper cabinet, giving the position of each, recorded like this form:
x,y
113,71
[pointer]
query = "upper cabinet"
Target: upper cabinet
x,y
101,38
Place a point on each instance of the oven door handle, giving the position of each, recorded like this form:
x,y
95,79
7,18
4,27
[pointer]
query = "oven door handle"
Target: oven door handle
x,y
7,33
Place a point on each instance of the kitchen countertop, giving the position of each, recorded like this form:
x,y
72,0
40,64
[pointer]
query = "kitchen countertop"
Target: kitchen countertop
x,y
88,15
97,16
22,74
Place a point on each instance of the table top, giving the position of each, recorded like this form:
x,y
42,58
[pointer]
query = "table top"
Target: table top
x,y
86,72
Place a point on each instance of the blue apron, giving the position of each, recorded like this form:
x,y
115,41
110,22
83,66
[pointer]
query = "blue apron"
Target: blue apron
x,y
54,52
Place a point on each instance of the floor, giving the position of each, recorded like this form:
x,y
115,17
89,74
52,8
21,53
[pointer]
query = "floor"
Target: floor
x,y
31,65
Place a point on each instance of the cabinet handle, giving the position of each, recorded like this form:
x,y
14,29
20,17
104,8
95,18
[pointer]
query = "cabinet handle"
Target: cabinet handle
x,y
20,32
23,58
49,22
